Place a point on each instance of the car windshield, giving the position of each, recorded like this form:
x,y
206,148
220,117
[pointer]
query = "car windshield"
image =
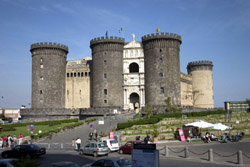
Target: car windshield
x,y
113,141
34,146
102,145
123,162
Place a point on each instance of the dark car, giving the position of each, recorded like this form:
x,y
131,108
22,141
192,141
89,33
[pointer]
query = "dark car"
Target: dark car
x,y
128,147
26,150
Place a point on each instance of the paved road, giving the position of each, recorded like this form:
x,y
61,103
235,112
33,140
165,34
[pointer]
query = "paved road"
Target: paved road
x,y
222,152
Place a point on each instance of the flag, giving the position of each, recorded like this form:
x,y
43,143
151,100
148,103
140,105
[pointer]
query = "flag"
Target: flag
x,y
121,30
158,29
106,34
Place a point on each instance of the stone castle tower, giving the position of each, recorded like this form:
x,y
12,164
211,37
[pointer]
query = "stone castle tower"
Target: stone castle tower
x,y
202,83
162,68
120,75
48,75
107,69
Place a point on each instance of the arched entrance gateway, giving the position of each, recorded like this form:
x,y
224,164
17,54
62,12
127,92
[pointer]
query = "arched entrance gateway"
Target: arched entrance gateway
x,y
135,100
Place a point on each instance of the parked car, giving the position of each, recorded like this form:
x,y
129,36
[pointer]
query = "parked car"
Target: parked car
x,y
112,144
111,162
64,164
95,148
7,162
26,150
128,147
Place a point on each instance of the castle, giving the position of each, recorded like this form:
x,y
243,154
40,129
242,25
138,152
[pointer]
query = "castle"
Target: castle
x,y
120,75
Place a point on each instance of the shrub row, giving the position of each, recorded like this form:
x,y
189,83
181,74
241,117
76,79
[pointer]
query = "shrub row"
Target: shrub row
x,y
7,129
143,121
55,122
205,113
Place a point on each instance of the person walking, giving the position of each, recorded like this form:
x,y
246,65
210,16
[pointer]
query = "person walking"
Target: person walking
x,y
20,139
78,143
95,134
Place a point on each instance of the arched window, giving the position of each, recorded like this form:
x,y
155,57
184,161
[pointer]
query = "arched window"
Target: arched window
x,y
133,68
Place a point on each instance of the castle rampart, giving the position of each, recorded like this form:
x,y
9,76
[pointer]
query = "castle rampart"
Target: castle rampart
x,y
202,83
107,69
162,68
48,75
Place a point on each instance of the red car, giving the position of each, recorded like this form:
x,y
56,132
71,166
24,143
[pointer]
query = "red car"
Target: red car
x,y
128,147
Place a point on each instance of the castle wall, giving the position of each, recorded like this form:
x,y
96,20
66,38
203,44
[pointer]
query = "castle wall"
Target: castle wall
x,y
48,75
107,69
162,68
186,90
78,84
202,83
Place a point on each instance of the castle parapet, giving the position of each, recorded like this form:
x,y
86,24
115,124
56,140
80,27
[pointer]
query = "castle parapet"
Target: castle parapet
x,y
110,39
162,36
48,45
199,65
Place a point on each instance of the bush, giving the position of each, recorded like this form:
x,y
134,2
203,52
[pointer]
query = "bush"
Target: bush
x,y
143,121
205,113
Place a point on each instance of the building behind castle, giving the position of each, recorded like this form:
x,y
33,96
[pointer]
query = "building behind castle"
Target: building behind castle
x,y
120,75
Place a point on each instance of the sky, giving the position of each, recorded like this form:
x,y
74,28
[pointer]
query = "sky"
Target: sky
x,y
214,30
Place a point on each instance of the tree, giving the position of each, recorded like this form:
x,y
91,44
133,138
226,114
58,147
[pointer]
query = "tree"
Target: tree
x,y
171,108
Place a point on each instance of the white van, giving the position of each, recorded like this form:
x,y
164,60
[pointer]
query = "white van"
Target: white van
x,y
112,144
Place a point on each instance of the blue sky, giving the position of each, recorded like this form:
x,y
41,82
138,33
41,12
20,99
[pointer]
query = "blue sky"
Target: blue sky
x,y
215,30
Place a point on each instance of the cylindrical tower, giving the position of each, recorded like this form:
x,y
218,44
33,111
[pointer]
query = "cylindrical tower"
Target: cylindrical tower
x,y
202,83
162,68
48,75
107,69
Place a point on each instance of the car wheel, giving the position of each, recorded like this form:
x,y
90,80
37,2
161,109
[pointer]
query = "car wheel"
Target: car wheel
x,y
81,152
95,154
5,155
120,152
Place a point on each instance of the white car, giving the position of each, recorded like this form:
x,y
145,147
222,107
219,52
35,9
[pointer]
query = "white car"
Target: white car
x,y
112,144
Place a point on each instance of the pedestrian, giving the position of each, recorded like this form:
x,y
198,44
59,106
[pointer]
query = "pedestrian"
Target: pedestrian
x,y
1,142
73,142
95,134
20,139
78,143
90,135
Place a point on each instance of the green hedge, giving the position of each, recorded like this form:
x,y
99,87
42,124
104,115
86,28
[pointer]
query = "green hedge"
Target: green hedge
x,y
205,113
50,123
143,121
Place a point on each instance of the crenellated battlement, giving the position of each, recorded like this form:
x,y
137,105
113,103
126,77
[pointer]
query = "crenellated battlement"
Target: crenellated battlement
x,y
110,39
49,45
199,65
162,36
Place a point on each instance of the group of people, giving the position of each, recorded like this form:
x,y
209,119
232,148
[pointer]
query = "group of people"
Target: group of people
x,y
11,141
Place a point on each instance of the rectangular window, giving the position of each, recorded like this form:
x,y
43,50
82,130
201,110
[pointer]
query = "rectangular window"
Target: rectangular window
x,y
41,66
75,74
71,74
82,74
162,90
41,78
67,74
105,62
41,60
105,101
105,75
161,74
41,101
41,92
105,91
79,74
86,74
